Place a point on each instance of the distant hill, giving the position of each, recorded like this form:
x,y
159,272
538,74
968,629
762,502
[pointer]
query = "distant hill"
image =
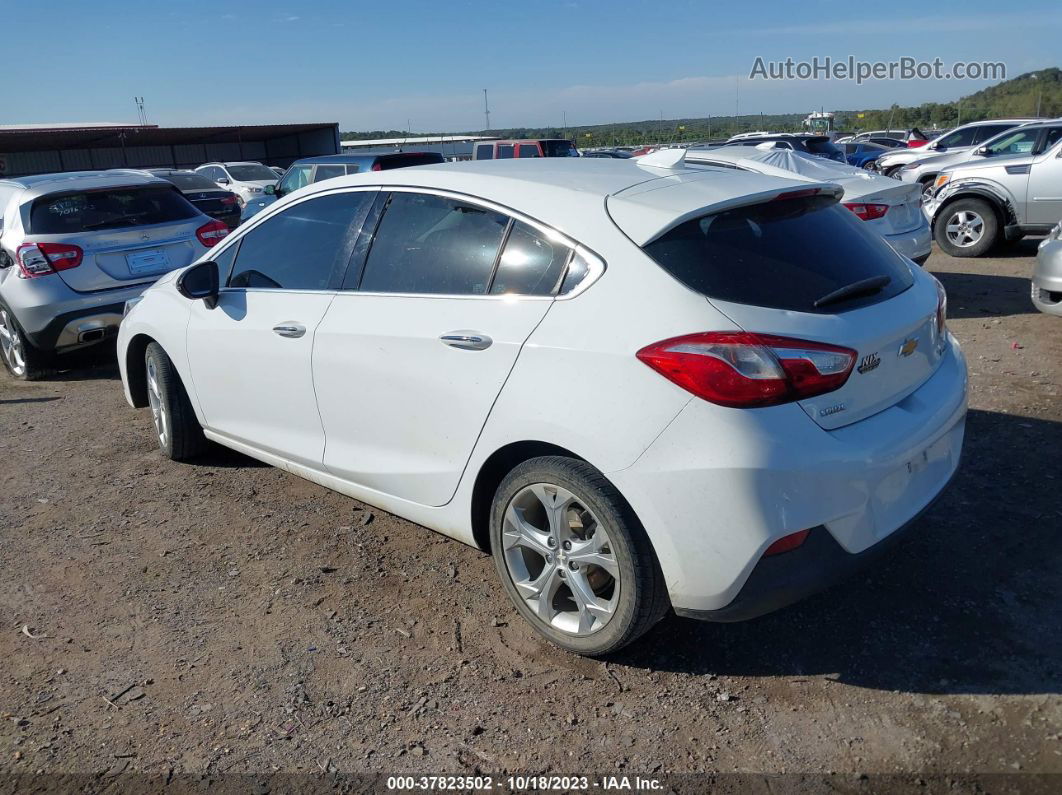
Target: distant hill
x,y
1019,96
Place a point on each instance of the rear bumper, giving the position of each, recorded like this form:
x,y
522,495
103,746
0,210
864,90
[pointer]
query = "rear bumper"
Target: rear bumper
x,y
718,487
56,318
819,563
915,243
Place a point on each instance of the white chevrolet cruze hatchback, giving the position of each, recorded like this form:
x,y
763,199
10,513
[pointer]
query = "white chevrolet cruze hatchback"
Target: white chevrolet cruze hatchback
x,y
641,386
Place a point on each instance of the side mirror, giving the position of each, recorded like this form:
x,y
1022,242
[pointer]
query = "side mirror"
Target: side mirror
x,y
937,147
223,181
981,150
5,258
270,190
200,281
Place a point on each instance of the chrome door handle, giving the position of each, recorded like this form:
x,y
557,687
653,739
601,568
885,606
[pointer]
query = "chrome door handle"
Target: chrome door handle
x,y
467,340
290,329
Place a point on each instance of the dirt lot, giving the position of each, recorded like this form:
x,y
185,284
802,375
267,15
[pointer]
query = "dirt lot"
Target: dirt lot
x,y
227,617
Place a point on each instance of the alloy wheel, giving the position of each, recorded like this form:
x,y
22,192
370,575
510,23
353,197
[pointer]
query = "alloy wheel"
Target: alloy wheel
x,y
158,405
560,559
965,228
11,344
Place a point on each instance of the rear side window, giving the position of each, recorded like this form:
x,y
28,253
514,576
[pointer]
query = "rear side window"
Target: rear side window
x,y
304,247
327,172
783,254
113,208
432,244
353,169
530,264
528,150
505,151
484,151
958,137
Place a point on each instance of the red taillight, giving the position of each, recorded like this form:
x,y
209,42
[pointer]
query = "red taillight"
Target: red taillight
x,y
228,200
868,212
376,166
744,370
787,543
211,234
40,259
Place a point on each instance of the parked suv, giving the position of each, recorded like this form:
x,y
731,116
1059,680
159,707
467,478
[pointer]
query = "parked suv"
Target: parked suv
x,y
1008,188
924,171
961,139
314,169
818,145
247,180
469,337
529,147
75,247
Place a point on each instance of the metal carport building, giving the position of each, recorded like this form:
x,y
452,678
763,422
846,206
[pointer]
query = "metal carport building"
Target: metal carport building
x,y
47,148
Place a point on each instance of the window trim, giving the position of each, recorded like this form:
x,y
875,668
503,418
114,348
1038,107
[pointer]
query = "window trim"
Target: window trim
x,y
596,264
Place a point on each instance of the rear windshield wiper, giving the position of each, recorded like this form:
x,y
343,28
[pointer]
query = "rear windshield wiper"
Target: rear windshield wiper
x,y
132,219
875,284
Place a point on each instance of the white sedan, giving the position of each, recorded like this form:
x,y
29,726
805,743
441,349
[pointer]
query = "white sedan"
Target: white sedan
x,y
642,387
893,210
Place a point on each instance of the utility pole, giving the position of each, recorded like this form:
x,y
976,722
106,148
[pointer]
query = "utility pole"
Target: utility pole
x,y
737,98
564,124
486,109
141,114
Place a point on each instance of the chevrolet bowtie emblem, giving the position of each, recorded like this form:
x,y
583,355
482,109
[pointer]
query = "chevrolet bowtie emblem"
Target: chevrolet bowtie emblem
x,y
908,346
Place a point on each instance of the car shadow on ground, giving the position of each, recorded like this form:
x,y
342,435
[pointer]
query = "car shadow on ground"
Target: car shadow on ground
x,y
981,295
97,363
969,605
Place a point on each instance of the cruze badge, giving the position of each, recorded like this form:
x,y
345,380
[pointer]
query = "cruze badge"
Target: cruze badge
x,y
870,362
826,412
908,346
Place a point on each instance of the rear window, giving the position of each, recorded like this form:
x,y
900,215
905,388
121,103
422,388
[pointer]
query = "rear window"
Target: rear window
x,y
112,208
822,147
252,173
784,254
409,159
560,149
189,181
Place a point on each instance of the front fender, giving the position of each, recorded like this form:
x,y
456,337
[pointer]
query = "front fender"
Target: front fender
x,y
977,187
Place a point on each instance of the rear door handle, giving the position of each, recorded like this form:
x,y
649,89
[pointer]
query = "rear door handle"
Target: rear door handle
x,y
290,329
467,340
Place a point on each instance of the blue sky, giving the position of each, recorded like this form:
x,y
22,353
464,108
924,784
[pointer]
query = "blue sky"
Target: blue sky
x,y
382,65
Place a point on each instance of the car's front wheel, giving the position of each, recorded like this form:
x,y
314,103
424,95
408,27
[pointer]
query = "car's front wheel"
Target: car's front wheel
x,y
177,430
966,228
573,557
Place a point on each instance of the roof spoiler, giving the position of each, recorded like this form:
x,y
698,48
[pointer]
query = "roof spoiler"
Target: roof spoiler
x,y
664,158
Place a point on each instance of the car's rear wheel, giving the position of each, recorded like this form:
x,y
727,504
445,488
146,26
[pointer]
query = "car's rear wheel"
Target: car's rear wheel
x,y
177,430
20,356
573,557
893,172
966,228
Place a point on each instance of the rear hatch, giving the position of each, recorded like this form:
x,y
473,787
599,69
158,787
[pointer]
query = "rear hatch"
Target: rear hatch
x,y
793,267
128,235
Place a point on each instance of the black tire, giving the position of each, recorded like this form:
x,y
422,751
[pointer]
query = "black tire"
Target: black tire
x,y
891,171
179,433
967,209
20,356
639,594
926,186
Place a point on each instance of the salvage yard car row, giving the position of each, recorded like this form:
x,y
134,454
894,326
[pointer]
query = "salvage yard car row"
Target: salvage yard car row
x,y
468,337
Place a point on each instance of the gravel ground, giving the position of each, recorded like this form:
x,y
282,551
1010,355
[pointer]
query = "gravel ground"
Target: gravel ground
x,y
228,617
